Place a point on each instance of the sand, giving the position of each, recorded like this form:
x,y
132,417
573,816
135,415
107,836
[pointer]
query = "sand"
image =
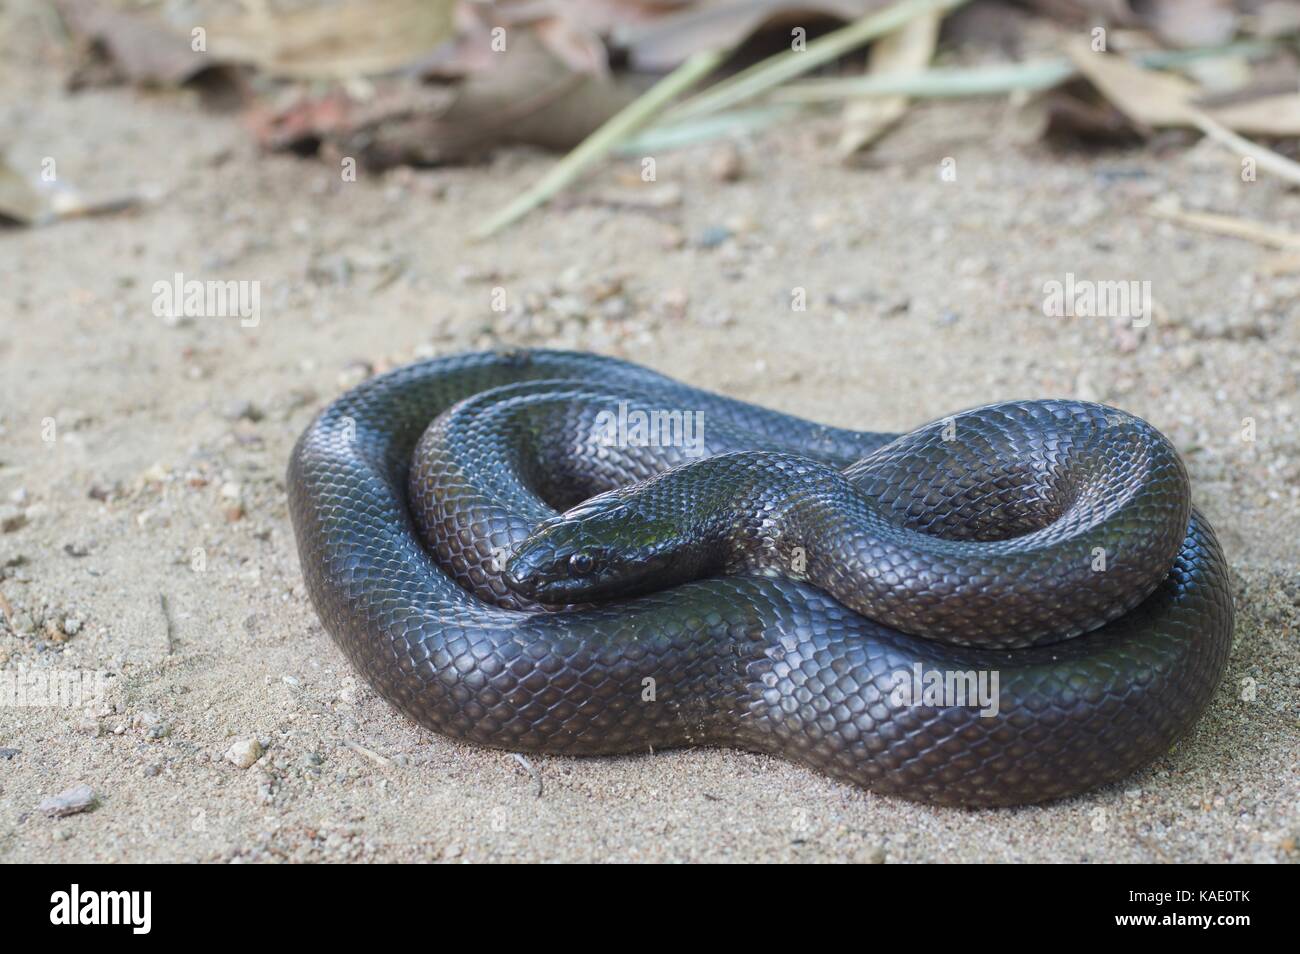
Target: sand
x,y
142,462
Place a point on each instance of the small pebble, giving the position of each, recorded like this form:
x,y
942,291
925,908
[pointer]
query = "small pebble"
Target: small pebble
x,y
156,474
243,411
11,518
726,164
104,492
672,238
244,752
152,725
353,373
713,236
79,798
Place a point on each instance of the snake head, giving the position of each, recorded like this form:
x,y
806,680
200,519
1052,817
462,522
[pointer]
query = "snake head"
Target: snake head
x,y
600,549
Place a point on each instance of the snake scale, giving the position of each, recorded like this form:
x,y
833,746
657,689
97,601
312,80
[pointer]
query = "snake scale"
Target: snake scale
x,y
510,556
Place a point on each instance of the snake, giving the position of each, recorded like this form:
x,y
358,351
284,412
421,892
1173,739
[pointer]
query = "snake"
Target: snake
x,y
566,553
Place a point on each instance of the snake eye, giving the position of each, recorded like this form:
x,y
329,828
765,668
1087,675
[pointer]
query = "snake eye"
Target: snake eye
x,y
580,564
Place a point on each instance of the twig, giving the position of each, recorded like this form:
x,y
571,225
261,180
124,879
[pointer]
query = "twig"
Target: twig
x,y
362,750
528,766
167,620
1266,158
615,129
1230,225
761,77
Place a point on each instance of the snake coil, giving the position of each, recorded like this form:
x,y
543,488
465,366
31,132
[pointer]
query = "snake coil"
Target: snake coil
x,y
893,610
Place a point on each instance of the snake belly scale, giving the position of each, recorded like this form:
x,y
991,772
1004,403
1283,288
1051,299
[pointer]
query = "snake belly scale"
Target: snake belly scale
x,y
769,586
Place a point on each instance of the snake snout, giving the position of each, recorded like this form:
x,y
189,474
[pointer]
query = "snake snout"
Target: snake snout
x,y
525,572
545,571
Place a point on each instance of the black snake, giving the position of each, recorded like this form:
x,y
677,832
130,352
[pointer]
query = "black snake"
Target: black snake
x,y
892,610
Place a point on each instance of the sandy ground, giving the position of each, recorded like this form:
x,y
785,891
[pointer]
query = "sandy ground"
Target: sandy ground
x,y
161,478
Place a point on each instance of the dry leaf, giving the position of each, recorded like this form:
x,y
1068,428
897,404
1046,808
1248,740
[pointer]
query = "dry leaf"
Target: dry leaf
x,y
571,31
124,45
1072,111
1154,100
574,45
20,202
528,96
907,49
1151,100
356,38
1266,116
30,200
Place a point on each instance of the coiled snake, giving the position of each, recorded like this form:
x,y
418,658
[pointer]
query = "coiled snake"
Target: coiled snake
x,y
892,610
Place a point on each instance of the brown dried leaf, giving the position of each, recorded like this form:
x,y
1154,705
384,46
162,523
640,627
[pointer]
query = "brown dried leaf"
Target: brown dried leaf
x,y
131,46
1151,100
530,97
355,38
571,29
574,45
1072,111
526,96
